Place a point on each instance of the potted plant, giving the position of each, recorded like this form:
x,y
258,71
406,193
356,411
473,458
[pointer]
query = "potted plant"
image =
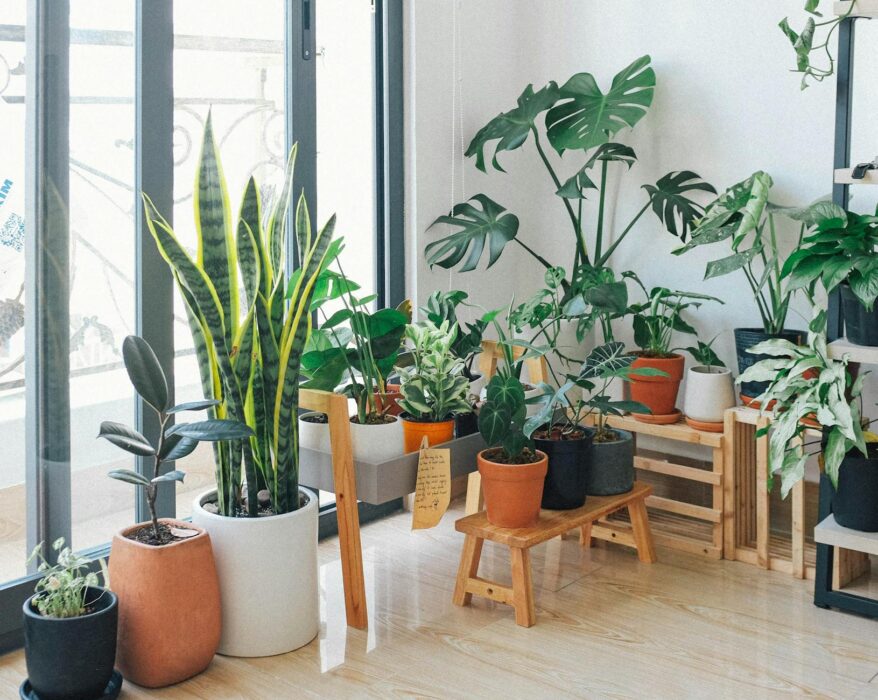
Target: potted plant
x,y
433,387
354,351
573,116
467,345
513,471
70,631
814,38
840,254
250,323
559,430
163,570
709,389
832,398
655,321
743,216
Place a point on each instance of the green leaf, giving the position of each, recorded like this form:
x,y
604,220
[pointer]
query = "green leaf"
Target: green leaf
x,y
510,129
175,475
213,430
724,266
671,205
194,406
127,438
864,284
476,228
145,372
586,117
177,447
129,476
605,358
494,420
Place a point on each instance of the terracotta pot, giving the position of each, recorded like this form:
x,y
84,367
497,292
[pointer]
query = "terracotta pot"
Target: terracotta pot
x,y
513,492
659,393
435,432
169,607
390,397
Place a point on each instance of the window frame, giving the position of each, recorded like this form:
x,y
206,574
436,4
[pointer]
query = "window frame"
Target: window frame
x,y
48,469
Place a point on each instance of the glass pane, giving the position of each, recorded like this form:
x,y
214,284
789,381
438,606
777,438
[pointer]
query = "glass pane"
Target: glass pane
x,y
102,302
345,131
12,275
229,58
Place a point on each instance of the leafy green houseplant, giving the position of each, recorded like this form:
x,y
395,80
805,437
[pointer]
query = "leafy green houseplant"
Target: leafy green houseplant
x,y
442,307
839,252
744,219
656,320
575,116
709,389
433,387
70,629
249,330
814,39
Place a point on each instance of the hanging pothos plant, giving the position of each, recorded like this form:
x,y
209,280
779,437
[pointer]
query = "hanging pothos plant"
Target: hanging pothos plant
x,y
815,60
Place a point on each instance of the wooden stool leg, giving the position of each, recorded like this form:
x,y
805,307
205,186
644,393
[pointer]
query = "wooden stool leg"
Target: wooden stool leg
x,y
585,539
522,588
469,567
642,533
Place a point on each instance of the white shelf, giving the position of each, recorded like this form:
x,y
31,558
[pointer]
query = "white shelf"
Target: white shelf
x,y
845,177
857,353
864,8
830,532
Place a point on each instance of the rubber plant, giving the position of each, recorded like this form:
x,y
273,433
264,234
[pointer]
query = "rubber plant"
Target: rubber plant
x,y
174,441
574,116
248,327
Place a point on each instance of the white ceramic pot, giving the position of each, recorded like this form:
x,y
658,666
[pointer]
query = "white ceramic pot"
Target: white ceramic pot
x,y
377,443
268,578
314,436
709,392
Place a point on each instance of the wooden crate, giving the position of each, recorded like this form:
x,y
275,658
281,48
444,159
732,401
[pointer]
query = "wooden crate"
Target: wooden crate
x,y
676,523
748,536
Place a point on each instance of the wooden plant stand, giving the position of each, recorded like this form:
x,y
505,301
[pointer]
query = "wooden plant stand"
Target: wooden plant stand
x,y
552,523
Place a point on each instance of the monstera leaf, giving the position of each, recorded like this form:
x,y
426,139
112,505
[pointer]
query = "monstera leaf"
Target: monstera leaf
x,y
574,186
477,227
670,203
587,117
510,129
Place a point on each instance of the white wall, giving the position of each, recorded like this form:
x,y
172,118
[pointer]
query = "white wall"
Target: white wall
x,y
725,105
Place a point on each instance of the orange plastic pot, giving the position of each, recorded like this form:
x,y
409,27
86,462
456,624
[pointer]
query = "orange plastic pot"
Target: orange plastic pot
x,y
414,431
169,607
513,492
659,393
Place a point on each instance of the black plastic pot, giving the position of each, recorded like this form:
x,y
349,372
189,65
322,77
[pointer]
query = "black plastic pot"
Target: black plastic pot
x,y
860,325
855,501
612,466
465,424
567,474
748,337
72,658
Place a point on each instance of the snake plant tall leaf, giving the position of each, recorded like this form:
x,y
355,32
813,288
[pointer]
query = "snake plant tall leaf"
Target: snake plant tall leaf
x,y
248,338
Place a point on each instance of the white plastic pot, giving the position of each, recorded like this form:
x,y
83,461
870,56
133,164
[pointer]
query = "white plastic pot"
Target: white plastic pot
x,y
709,392
370,443
268,578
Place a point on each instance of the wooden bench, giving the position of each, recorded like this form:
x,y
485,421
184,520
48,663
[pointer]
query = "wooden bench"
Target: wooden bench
x,y
552,523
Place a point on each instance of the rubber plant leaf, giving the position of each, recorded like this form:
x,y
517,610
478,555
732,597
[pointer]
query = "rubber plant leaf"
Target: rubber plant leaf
x,y
586,117
127,438
145,372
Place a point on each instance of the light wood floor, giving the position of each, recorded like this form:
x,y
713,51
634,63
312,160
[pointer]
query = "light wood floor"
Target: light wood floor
x,y
607,626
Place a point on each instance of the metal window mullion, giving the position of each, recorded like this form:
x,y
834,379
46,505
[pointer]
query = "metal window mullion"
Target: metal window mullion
x,y
47,274
154,175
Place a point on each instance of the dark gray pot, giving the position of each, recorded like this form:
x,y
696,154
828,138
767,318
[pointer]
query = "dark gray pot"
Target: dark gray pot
x,y
612,466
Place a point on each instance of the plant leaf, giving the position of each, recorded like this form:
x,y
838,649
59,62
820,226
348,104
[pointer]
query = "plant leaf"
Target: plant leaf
x,y
177,447
174,475
213,430
194,405
129,476
127,438
145,372
671,205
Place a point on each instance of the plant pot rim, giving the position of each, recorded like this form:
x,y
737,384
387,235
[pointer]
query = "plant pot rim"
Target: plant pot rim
x,y
371,425
173,522
584,428
408,418
711,370
251,522
761,330
625,436
543,458
672,357
30,612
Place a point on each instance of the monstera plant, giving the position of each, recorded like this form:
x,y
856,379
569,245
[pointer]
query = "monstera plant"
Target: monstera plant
x,y
575,116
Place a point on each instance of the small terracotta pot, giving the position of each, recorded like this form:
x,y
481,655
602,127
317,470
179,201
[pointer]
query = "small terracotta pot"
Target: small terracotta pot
x,y
513,492
659,393
436,433
169,607
390,397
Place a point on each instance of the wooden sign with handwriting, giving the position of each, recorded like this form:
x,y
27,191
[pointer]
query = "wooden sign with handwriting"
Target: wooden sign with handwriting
x,y
433,490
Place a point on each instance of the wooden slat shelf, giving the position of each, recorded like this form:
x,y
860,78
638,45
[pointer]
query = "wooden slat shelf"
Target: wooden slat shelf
x,y
830,532
844,176
864,8
670,530
858,353
680,432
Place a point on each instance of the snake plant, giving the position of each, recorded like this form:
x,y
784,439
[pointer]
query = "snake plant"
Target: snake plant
x,y
249,324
